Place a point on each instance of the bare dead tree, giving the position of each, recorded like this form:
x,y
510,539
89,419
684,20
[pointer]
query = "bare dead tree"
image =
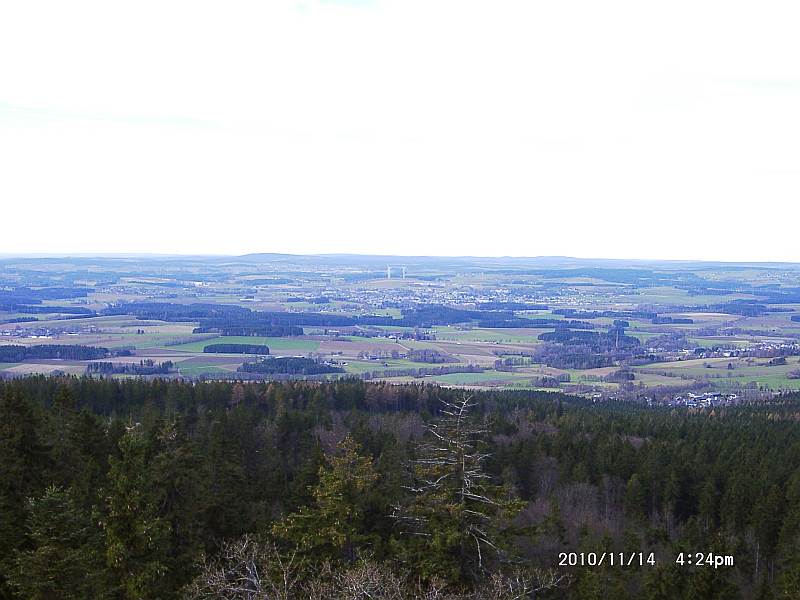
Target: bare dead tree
x,y
246,570
522,584
455,512
456,525
250,570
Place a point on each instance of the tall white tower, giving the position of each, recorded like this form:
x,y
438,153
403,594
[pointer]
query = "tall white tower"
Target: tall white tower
x,y
404,272
388,271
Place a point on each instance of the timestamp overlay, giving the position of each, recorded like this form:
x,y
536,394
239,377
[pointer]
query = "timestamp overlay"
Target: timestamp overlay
x,y
643,559
704,559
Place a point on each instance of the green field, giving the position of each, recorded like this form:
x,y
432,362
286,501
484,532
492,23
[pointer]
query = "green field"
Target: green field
x,y
642,336
479,378
711,342
672,295
773,382
366,366
197,370
147,340
276,344
358,338
741,367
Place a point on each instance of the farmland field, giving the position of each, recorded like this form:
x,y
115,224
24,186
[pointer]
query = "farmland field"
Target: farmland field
x,y
275,345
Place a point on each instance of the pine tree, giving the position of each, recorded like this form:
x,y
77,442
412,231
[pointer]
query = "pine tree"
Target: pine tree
x,y
66,560
175,498
455,521
635,497
225,483
137,537
333,526
768,517
23,460
789,581
589,586
665,582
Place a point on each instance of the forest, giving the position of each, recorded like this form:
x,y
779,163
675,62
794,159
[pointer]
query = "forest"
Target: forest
x,y
143,367
14,353
167,489
292,365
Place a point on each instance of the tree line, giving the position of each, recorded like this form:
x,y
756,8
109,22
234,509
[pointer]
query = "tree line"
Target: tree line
x,y
14,353
292,365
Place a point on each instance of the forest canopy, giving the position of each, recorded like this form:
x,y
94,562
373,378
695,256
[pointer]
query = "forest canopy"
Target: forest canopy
x,y
165,489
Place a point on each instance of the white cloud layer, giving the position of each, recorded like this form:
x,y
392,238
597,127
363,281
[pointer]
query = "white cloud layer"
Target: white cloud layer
x,y
616,129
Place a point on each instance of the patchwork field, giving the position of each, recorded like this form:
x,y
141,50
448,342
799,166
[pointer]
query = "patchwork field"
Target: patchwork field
x,y
654,327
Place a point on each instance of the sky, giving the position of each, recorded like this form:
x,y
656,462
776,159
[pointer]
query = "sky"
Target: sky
x,y
638,129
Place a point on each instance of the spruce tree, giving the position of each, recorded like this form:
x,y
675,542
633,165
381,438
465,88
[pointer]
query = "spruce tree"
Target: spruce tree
x,y
333,527
455,521
23,461
66,559
137,537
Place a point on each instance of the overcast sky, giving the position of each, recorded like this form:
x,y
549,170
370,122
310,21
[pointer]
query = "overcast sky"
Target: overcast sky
x,y
596,129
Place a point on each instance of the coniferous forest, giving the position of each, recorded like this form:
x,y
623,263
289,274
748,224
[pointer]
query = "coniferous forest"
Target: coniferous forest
x,y
131,489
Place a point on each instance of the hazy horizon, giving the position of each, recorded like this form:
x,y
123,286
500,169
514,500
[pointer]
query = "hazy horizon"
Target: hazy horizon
x,y
549,258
